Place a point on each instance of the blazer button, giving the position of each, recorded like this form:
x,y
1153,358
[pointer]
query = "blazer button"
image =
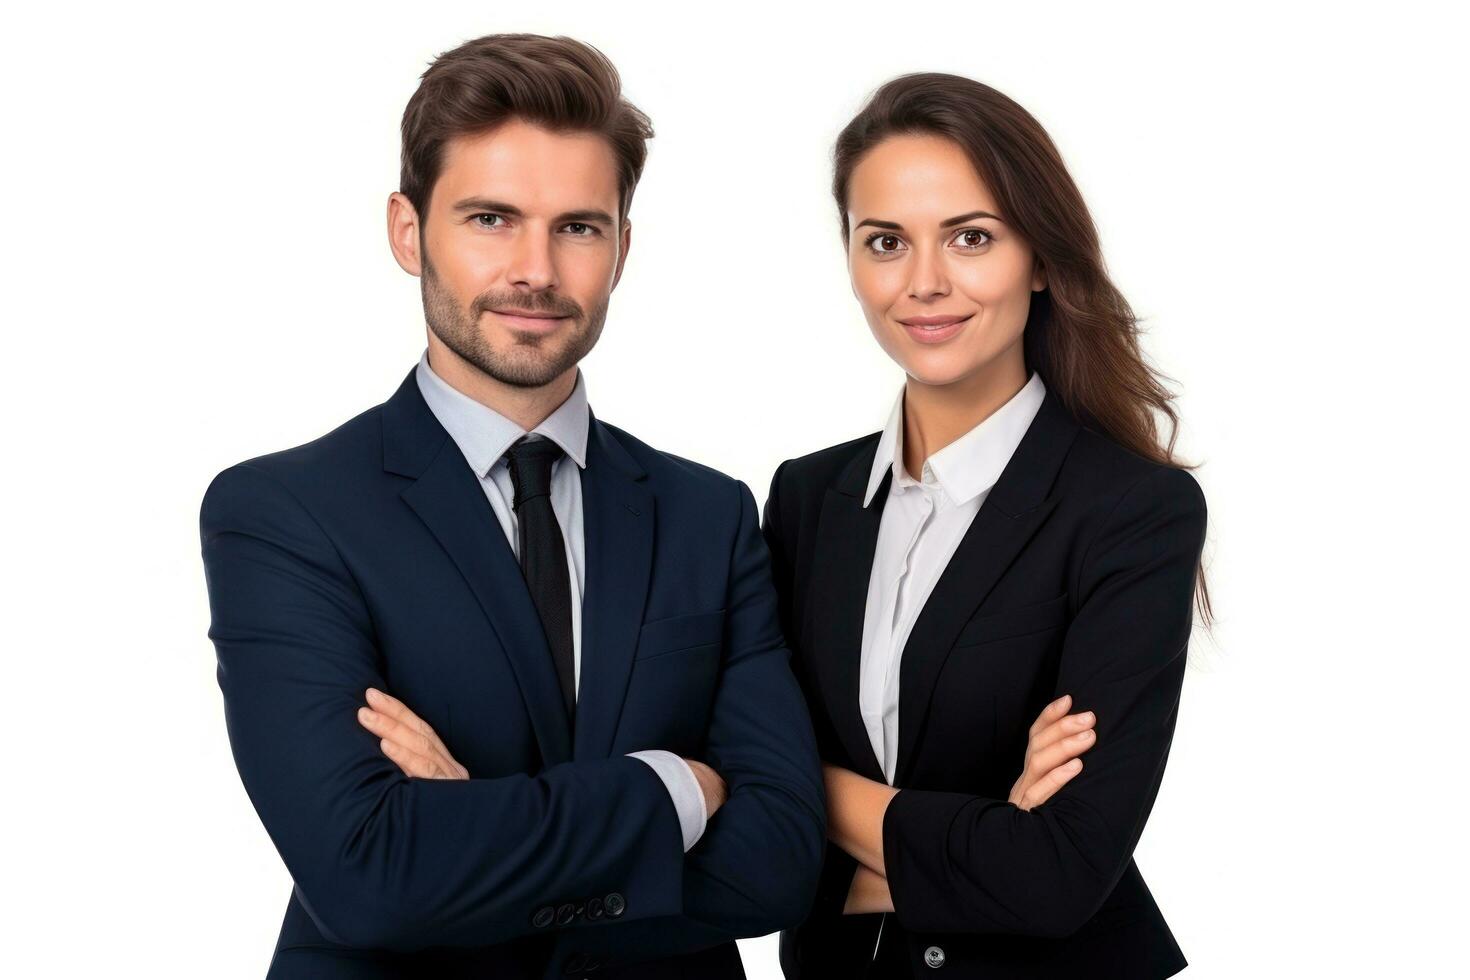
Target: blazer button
x,y
934,956
594,909
544,916
565,914
614,905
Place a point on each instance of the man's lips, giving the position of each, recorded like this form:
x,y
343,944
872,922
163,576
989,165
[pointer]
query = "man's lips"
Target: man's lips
x,y
528,320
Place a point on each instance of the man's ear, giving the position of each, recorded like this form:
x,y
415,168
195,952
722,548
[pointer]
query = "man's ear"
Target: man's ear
x,y
624,240
404,233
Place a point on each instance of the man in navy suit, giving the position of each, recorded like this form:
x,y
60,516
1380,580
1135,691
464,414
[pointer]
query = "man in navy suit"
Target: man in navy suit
x,y
490,665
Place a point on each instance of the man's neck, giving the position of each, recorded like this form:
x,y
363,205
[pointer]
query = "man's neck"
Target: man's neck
x,y
526,407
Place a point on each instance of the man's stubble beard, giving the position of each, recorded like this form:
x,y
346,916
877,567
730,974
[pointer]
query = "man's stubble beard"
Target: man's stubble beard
x,y
531,362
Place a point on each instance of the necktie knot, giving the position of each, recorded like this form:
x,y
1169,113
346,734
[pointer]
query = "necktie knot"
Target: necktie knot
x,y
530,461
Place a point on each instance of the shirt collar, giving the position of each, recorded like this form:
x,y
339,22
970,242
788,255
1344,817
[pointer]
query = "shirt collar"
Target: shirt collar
x,y
972,463
483,434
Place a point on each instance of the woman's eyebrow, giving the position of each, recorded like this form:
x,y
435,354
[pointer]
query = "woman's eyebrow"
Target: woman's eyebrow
x,y
962,218
958,219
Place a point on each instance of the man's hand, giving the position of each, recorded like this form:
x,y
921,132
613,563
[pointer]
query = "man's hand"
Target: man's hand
x,y
712,784
1052,755
407,739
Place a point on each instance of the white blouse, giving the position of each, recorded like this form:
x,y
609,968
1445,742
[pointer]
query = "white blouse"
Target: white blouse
x,y
923,522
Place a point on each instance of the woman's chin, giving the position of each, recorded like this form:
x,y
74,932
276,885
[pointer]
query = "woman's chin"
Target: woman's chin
x,y
936,375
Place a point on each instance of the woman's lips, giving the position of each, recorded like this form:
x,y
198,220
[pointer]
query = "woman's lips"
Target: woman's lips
x,y
934,329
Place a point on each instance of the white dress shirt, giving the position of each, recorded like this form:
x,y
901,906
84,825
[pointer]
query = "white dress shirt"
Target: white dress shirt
x,y
922,524
483,435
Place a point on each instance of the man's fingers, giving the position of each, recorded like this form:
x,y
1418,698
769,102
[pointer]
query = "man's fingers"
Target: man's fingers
x,y
1042,790
412,742
411,763
391,728
392,707
1051,713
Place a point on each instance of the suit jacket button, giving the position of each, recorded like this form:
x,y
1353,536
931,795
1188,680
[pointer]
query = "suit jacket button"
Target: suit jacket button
x,y
543,917
614,905
565,914
575,963
594,909
934,956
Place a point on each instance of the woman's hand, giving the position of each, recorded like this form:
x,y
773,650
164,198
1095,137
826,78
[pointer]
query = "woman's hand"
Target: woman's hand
x,y
407,739
1052,754
867,893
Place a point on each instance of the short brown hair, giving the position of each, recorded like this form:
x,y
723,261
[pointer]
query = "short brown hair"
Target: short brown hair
x,y
560,83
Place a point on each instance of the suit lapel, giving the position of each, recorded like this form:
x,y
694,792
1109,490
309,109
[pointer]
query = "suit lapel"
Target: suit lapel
x,y
847,536
618,527
447,497
1014,510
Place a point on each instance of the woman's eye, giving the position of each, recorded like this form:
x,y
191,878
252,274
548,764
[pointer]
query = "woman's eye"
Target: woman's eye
x,y
883,244
973,238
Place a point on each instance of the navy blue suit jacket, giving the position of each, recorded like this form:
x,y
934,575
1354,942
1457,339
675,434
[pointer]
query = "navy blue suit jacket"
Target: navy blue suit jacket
x,y
370,557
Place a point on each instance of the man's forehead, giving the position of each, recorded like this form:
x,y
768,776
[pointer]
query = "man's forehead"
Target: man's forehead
x,y
531,167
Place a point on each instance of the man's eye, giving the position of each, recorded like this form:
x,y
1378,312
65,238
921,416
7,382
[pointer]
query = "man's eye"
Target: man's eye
x,y
492,217
579,228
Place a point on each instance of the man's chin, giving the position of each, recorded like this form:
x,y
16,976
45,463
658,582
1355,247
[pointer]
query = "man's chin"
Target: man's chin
x,y
534,371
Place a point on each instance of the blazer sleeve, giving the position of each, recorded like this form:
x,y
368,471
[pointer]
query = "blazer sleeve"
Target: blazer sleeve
x,y
755,869
380,859
971,864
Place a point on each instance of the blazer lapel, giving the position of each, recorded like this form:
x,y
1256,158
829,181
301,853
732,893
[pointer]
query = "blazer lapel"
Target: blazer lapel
x,y
832,629
1014,510
447,496
618,526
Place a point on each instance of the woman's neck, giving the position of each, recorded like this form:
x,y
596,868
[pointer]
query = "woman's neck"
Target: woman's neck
x,y
936,415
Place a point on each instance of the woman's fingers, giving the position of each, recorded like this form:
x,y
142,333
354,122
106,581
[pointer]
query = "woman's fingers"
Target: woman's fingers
x,y
1051,713
1060,752
1042,790
1056,741
1060,729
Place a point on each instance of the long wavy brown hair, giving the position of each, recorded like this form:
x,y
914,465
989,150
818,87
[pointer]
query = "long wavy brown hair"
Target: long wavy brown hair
x,y
1081,335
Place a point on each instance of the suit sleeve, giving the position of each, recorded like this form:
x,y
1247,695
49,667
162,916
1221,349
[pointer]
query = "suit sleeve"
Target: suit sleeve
x,y
778,527
755,869
381,859
971,864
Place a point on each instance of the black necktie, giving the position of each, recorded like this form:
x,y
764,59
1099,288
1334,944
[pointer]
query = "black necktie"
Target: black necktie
x,y
543,553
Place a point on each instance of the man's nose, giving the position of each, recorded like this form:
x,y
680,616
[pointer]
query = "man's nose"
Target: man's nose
x,y
532,264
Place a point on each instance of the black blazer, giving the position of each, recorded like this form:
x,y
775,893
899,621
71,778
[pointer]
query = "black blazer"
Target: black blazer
x,y
1076,577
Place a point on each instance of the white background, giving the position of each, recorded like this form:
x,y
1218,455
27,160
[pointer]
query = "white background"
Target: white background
x,y
197,272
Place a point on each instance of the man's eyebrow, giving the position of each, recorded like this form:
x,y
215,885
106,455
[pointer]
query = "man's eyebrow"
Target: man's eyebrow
x,y
485,204
583,215
586,216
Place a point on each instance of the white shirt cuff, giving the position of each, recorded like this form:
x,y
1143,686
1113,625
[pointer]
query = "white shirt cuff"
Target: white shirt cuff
x,y
683,789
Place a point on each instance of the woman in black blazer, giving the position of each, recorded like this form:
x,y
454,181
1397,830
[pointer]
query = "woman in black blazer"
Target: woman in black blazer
x,y
1015,534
